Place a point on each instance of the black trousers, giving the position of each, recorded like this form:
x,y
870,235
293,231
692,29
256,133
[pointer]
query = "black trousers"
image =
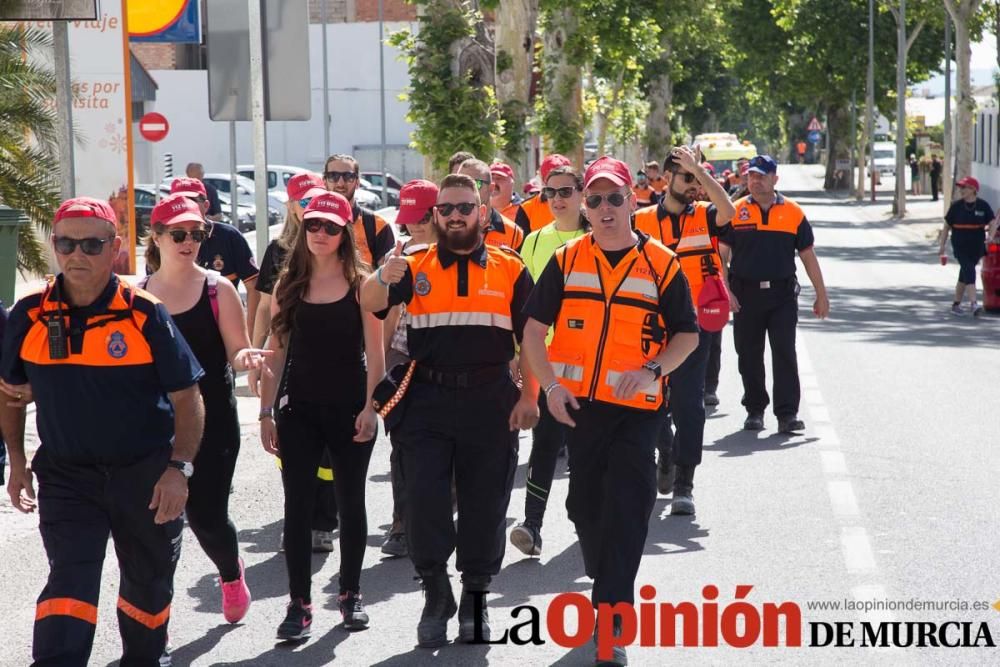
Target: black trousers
x,y
548,437
714,366
305,431
79,506
687,408
612,488
207,507
772,313
464,432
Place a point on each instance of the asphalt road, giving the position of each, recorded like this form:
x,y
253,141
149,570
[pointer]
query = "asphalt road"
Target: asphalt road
x,y
890,494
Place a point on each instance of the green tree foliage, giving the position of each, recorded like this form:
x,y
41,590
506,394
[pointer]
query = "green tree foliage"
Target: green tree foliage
x,y
28,168
450,110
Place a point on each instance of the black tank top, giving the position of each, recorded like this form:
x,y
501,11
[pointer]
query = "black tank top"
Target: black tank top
x,y
201,331
327,364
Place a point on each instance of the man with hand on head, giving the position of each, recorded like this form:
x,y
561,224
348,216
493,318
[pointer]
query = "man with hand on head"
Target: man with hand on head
x,y
120,417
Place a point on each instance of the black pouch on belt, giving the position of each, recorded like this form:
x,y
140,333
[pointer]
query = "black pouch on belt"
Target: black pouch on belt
x,y
389,393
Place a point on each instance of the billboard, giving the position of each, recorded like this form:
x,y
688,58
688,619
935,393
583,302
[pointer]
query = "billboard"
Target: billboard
x,y
47,10
164,21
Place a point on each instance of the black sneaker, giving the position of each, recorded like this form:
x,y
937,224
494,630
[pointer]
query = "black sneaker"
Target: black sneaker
x,y
298,621
711,399
790,425
439,606
527,538
395,545
353,611
754,422
665,478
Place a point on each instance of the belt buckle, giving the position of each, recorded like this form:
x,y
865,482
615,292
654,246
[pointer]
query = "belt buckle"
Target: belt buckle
x,y
765,284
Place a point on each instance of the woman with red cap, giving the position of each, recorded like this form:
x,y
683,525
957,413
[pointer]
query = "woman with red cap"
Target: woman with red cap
x,y
209,314
415,219
967,220
328,356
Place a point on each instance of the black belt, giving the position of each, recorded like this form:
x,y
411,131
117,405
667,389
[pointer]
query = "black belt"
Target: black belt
x,y
459,380
761,284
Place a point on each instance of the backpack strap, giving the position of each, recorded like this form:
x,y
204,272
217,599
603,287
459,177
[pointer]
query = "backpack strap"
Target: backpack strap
x,y
213,292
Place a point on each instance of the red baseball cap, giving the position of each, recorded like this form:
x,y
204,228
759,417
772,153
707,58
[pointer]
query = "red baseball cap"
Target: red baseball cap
x,y
503,169
607,167
176,208
304,186
551,162
331,206
189,187
968,182
416,198
707,166
85,207
713,305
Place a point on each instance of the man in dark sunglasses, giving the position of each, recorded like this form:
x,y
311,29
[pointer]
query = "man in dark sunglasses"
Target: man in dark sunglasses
x,y
115,387
498,230
622,318
462,412
688,227
372,234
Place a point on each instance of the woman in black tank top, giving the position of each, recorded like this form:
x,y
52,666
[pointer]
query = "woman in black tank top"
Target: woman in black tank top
x,y
209,314
327,359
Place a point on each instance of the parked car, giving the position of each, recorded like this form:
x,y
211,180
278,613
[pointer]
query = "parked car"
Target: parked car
x,y
246,191
375,178
145,200
391,194
277,177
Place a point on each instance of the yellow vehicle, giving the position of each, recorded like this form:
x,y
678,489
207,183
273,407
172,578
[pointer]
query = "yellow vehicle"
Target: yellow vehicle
x,y
723,149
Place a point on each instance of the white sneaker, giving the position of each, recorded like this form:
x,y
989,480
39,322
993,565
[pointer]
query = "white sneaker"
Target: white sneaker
x,y
977,310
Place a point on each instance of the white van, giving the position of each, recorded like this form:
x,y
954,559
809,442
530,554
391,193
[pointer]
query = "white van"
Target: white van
x,y
885,157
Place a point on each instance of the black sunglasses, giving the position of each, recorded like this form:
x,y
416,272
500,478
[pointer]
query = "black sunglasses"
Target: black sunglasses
x,y
465,208
616,199
200,199
481,182
687,176
65,245
331,228
179,236
346,176
564,192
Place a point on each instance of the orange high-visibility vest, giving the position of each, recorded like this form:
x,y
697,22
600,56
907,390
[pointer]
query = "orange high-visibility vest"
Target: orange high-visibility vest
x,y
609,321
697,253
506,233
538,212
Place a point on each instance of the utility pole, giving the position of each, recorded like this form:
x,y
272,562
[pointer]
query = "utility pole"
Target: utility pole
x,y
870,98
326,85
946,171
899,202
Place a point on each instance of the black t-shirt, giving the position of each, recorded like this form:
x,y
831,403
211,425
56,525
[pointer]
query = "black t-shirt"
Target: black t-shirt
x,y
676,307
227,252
968,224
214,206
270,267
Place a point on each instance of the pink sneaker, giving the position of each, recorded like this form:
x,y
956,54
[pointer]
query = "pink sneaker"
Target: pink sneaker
x,y
235,598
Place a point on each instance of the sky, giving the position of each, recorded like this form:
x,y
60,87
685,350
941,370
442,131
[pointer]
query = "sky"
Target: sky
x,y
981,66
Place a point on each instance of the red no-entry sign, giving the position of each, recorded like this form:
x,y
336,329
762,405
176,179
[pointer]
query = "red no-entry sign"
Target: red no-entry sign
x,y
154,126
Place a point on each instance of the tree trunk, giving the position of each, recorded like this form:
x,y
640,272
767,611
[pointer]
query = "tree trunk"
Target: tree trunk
x,y
562,84
515,44
838,124
661,94
899,201
603,121
962,12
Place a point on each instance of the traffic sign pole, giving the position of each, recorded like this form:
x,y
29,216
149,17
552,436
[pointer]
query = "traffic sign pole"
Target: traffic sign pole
x,y
154,127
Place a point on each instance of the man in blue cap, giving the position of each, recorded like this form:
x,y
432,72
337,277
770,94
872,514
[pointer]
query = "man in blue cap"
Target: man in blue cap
x,y
767,231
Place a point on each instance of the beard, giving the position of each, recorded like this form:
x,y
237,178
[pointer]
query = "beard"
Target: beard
x,y
683,198
460,240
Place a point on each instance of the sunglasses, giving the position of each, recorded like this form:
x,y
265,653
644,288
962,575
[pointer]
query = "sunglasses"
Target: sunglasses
x,y
465,208
305,202
331,228
616,199
687,176
564,192
346,176
482,182
65,245
200,199
179,236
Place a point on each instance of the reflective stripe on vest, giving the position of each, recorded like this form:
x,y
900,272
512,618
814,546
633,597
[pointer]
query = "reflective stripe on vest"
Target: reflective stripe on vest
x,y
609,321
460,319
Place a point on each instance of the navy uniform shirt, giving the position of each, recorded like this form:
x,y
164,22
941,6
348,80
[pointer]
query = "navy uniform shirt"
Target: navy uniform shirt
x,y
227,252
270,267
764,243
106,403
968,224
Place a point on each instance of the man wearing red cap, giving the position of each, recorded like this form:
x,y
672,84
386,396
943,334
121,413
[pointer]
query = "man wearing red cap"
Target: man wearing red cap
x,y
120,417
623,318
967,220
688,227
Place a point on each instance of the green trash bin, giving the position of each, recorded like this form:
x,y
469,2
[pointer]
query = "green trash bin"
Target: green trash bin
x,y
10,220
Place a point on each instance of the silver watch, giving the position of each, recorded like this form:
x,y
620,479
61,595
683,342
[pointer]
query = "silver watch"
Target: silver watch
x,y
186,467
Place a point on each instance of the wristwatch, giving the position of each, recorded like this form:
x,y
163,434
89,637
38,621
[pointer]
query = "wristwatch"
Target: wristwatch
x,y
655,367
186,467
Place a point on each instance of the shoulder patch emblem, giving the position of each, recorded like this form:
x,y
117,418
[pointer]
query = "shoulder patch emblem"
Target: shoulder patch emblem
x,y
422,285
744,214
117,347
